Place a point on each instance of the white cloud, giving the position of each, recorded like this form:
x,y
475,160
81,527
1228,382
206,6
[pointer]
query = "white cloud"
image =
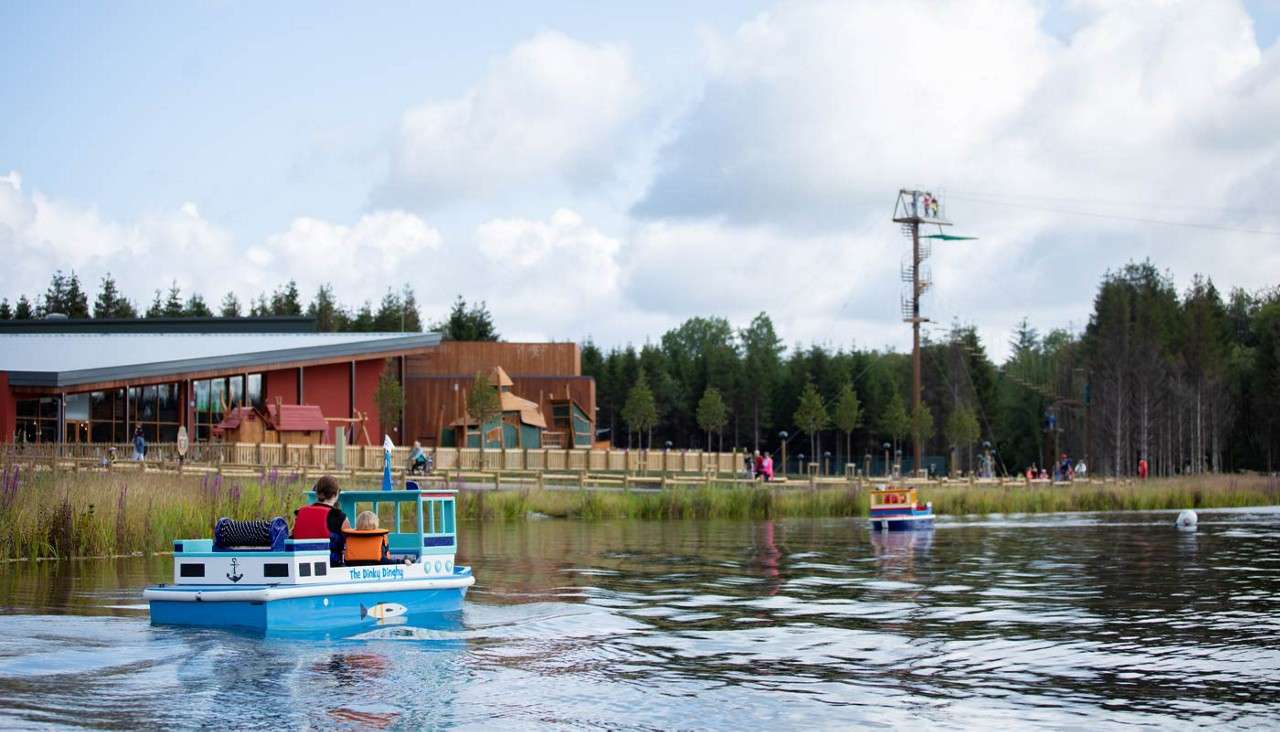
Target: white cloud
x,y
817,112
553,108
381,250
40,234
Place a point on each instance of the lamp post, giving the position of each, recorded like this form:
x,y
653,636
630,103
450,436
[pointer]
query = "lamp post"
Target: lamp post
x,y
666,456
826,462
897,463
782,437
886,447
803,471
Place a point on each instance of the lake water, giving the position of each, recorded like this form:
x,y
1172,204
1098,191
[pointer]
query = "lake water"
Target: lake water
x,y
1083,621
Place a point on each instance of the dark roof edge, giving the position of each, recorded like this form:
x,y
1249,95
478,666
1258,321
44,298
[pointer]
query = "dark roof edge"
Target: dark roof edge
x,y
215,363
268,324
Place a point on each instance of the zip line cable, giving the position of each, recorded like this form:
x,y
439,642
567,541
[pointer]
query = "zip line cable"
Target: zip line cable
x,y
1115,217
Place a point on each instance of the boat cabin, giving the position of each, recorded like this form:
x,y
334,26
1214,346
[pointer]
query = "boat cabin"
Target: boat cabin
x,y
890,498
421,528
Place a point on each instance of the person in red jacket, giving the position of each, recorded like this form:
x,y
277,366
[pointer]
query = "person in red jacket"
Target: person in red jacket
x,y
1142,469
323,519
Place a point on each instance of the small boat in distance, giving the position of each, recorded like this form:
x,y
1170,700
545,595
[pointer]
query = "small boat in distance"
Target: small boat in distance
x,y
899,509
252,576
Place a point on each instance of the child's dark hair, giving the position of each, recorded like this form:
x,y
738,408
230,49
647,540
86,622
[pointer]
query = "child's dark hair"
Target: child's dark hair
x,y
326,487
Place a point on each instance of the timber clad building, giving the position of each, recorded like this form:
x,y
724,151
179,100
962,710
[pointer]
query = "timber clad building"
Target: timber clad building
x,y
97,380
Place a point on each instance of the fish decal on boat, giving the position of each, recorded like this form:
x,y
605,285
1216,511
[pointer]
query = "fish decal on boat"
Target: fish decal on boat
x,y
383,611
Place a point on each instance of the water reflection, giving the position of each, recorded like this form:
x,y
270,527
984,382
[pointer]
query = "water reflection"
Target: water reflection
x,y
1056,621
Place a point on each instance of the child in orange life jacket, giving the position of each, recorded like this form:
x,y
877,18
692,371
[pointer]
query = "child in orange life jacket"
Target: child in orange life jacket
x,y
366,543
323,519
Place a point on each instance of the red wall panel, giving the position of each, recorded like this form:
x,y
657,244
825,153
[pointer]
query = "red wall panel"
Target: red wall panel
x,y
283,384
328,387
367,374
8,410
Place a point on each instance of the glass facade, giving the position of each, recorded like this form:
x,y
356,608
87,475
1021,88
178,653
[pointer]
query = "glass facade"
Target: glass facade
x,y
112,414
37,420
213,397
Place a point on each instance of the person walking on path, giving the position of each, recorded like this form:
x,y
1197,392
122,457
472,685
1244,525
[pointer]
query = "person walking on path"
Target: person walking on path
x,y
1142,469
139,445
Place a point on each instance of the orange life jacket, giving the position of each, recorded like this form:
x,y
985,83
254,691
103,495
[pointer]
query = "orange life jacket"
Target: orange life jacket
x,y
369,545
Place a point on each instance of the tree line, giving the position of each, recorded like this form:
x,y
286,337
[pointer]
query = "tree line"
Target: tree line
x,y
1188,381
398,311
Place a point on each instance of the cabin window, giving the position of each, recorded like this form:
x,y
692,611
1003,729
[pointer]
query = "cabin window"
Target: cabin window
x,y
304,570
439,518
386,514
408,517
322,569
275,569
191,569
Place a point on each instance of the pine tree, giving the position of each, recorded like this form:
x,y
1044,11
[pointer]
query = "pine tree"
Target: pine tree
x,y
811,416
409,303
285,300
363,321
157,307
467,324
390,314
173,303
196,307
260,308
22,310
713,415
76,302
110,303
324,308
6,312
230,306
641,410
761,369
55,298
848,416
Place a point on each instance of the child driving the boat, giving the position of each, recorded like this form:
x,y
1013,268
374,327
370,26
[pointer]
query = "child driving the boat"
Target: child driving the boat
x,y
323,519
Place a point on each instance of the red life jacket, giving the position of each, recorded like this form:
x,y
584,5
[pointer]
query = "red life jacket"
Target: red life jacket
x,y
312,522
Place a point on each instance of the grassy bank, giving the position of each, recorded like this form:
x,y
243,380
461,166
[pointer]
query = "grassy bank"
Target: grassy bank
x,y
43,514
759,502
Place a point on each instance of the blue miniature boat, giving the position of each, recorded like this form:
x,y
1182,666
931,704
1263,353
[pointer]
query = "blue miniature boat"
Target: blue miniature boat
x,y
281,585
899,509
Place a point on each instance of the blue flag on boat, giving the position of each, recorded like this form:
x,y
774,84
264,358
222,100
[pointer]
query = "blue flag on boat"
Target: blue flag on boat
x,y
387,446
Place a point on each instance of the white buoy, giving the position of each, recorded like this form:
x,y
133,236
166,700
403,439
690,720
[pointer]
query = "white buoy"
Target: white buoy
x,y
1186,520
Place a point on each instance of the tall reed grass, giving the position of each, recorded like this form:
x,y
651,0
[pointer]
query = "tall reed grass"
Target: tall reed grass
x,y
47,514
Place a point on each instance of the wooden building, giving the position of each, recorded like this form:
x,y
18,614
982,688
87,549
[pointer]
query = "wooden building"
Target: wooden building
x,y
547,375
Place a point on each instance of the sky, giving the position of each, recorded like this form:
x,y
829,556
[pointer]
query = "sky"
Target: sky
x,y
608,170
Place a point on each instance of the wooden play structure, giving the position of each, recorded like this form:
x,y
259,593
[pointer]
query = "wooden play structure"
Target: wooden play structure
x,y
285,424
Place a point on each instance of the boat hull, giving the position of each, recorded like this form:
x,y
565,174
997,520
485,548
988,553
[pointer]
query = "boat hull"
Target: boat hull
x,y
913,521
325,609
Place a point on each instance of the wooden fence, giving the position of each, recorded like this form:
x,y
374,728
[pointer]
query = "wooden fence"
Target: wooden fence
x,y
445,459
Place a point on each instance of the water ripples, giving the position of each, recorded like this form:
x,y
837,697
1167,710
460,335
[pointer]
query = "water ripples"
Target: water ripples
x,y
1076,620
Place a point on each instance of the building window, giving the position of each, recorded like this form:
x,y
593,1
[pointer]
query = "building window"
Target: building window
x,y
37,420
214,397
253,391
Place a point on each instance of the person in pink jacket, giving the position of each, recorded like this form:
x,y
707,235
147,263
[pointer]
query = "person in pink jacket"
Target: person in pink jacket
x,y
768,467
